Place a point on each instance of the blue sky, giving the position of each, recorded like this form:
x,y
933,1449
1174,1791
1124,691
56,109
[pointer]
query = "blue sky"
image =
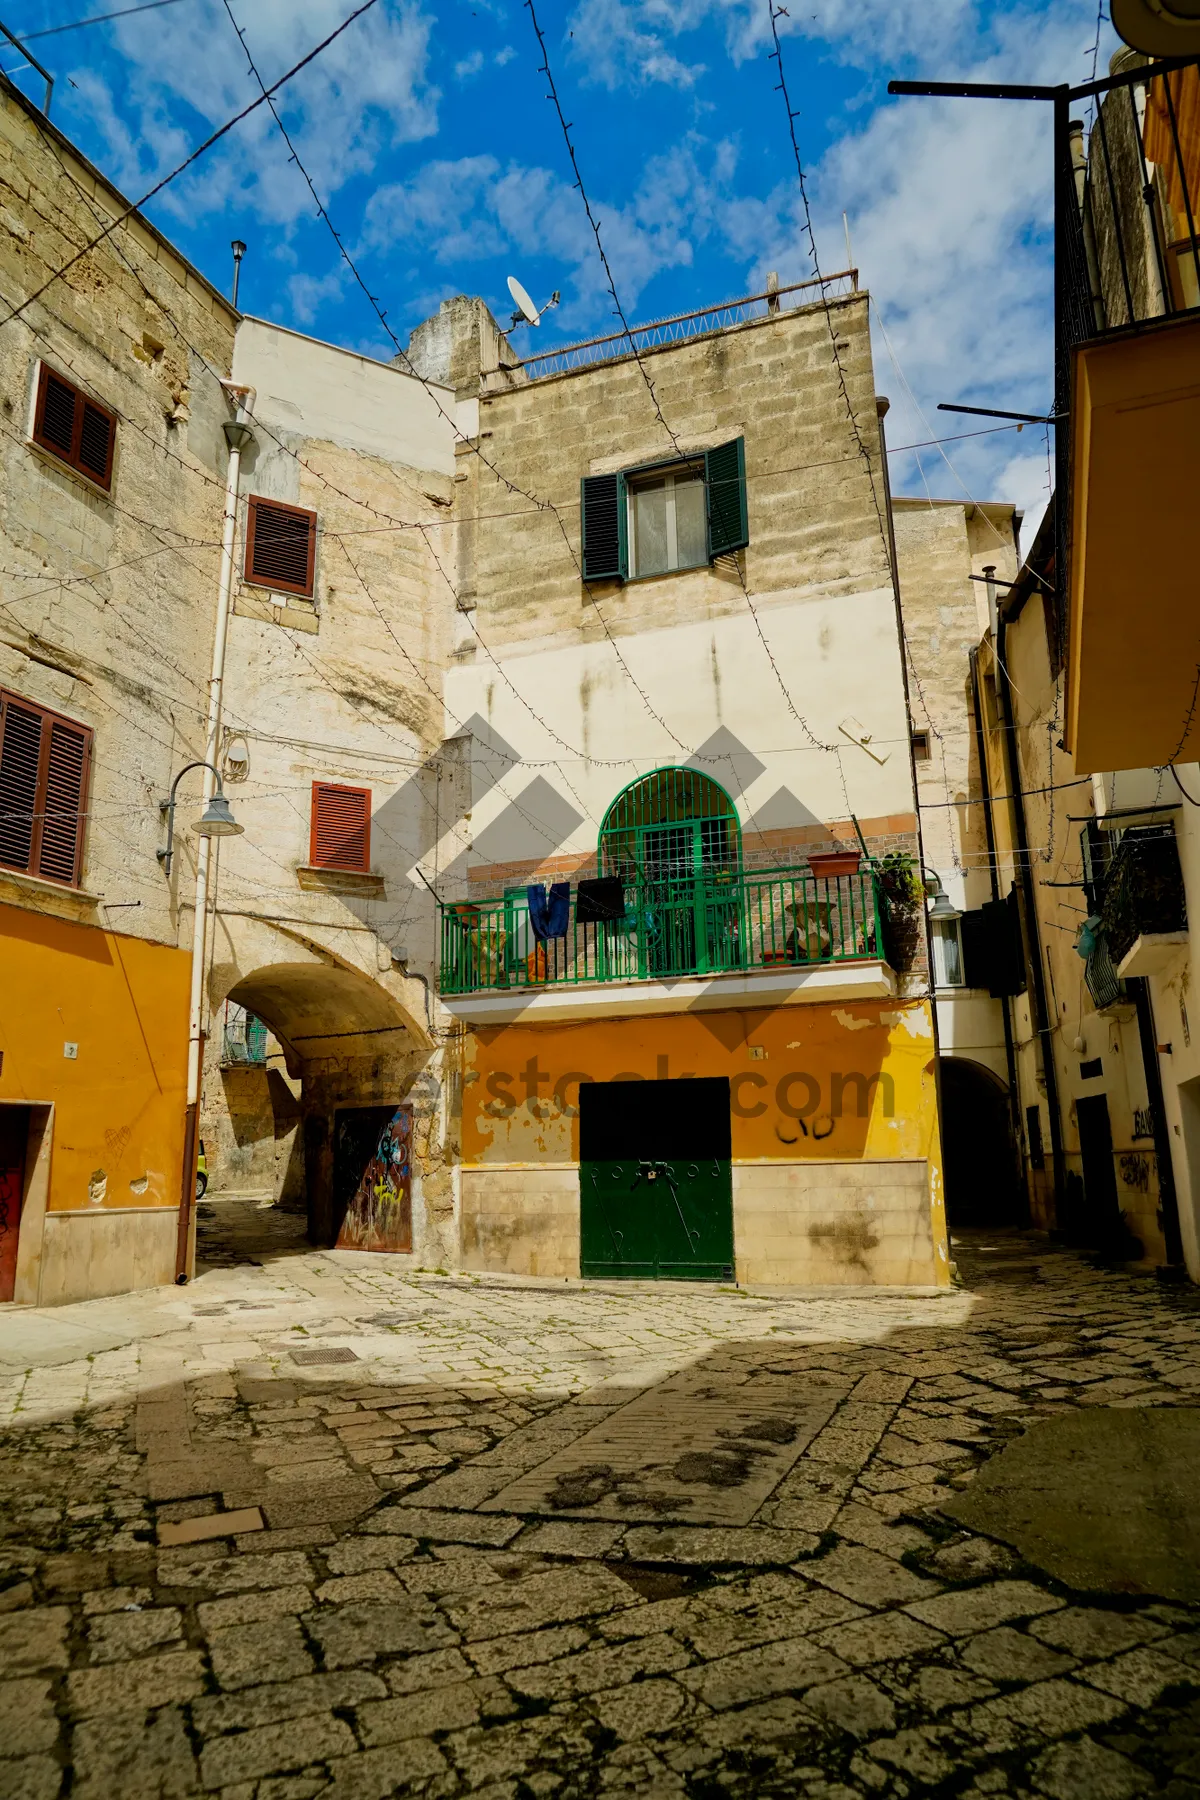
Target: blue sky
x,y
427,130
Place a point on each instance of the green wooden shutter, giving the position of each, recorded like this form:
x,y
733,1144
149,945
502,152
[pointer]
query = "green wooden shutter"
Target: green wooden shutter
x,y
725,487
605,555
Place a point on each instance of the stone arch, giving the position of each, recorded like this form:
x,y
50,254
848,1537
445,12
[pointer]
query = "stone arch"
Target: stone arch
x,y
982,1165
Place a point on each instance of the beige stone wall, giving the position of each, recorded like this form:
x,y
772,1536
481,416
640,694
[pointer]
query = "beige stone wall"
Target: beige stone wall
x,y
108,598
833,1224
521,1221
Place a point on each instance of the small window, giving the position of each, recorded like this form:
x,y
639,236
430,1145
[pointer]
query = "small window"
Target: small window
x,y
947,954
44,764
667,522
74,428
920,746
281,545
341,827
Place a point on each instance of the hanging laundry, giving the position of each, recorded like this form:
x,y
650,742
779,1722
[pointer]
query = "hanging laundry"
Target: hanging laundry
x,y
549,915
600,902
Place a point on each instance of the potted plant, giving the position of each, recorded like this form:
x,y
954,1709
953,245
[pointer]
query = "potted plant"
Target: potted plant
x,y
903,894
827,865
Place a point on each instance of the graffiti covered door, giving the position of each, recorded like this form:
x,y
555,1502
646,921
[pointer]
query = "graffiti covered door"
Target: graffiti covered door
x,y
655,1180
14,1134
372,1177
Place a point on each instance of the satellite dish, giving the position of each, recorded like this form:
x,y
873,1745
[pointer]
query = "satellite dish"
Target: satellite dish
x,y
528,310
1159,27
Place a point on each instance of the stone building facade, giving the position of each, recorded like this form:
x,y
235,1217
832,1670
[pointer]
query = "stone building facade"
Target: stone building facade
x,y
111,498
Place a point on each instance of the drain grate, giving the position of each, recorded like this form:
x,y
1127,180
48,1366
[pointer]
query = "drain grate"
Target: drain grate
x,y
337,1353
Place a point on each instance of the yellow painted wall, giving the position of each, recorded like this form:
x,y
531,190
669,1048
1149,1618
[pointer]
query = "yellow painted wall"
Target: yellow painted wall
x,y
119,1105
826,1082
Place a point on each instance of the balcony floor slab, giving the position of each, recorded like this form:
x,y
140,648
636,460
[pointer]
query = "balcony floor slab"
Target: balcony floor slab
x,y
802,985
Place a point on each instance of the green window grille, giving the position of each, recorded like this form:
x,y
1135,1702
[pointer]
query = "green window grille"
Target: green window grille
x,y
672,824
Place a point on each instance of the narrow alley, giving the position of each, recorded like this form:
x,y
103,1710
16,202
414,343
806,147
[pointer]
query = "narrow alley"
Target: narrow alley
x,y
317,1525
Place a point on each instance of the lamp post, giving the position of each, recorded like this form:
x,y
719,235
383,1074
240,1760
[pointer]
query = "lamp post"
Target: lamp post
x,y
216,820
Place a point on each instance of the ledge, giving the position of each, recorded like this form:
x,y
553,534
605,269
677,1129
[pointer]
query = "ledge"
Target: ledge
x,y
31,889
277,608
793,986
365,883
1153,953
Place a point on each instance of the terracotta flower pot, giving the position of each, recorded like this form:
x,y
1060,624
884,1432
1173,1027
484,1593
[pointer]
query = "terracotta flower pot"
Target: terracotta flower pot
x,y
829,864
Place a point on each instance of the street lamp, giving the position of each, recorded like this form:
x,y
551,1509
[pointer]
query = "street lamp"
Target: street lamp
x,y
1159,27
943,907
216,820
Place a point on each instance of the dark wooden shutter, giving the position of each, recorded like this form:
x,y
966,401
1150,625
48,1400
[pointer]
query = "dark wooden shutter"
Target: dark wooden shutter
x,y
281,544
44,765
976,949
97,430
725,487
341,827
77,430
605,554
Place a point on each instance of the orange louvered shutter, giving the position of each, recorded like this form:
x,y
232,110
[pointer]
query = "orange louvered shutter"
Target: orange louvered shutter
x,y
44,764
281,546
341,827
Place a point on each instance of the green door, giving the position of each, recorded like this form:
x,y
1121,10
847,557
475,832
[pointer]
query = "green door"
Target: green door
x,y
656,1180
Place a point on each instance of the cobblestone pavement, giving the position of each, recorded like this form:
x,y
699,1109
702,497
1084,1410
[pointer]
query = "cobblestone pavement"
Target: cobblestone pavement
x,y
320,1525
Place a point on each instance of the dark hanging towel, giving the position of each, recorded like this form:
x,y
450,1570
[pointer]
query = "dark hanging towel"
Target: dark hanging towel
x,y
600,902
549,915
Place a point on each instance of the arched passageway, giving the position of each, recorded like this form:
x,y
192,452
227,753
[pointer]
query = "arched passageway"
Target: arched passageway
x,y
982,1170
327,1113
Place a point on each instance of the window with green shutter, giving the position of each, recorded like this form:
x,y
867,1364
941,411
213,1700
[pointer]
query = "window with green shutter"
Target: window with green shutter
x,y
667,517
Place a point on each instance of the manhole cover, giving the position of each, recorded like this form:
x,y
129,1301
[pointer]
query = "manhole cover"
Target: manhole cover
x,y
337,1353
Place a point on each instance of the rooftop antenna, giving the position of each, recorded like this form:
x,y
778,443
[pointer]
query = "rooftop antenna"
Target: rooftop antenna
x,y
528,312
239,250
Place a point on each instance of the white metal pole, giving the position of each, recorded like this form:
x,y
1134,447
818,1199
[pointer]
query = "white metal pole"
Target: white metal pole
x,y
238,434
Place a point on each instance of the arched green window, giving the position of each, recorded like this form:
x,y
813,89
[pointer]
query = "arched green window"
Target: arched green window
x,y
669,825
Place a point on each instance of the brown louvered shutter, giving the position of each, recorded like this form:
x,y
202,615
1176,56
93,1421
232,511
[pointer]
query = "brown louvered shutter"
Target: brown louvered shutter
x,y
44,764
341,827
80,432
281,544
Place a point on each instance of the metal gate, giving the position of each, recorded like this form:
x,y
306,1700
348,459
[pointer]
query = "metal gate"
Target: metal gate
x,y
655,1180
372,1177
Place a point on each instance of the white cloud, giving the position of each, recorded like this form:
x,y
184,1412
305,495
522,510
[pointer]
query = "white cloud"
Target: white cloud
x,y
462,213
470,65
373,81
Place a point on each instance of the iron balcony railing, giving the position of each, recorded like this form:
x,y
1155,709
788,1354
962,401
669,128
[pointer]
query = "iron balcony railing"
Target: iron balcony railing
x,y
713,923
689,325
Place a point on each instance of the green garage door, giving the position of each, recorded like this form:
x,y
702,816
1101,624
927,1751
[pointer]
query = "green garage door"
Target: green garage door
x,y
655,1180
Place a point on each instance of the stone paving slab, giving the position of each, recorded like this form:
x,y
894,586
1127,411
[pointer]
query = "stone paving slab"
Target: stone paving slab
x,y
399,1626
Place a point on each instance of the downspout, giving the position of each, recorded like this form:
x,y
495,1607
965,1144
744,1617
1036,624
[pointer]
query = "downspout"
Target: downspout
x,y
238,436
1010,1054
881,407
1027,897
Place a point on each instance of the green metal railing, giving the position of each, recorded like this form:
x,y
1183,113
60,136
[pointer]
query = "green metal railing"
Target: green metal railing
x,y
701,925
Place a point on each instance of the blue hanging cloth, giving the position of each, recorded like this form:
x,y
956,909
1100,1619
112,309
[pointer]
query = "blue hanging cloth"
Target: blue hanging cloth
x,y
549,915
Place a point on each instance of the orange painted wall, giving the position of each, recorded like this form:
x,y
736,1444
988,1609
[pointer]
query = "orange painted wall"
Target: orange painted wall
x,y
859,1075
119,1105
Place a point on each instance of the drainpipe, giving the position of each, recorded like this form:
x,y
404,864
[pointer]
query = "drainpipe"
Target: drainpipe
x,y
1027,899
238,436
1010,1054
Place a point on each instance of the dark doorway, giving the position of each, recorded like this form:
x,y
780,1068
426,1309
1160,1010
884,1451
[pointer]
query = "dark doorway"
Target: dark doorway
x,y
982,1173
14,1139
1101,1226
372,1178
656,1180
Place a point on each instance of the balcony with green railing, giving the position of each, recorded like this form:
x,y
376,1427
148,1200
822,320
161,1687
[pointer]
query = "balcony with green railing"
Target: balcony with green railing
x,y
718,922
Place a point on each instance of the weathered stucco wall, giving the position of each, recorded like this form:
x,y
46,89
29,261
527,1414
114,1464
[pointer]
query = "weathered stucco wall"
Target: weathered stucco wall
x,y
109,600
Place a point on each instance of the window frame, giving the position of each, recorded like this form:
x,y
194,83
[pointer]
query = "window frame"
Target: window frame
x,y
635,479
302,592
46,373
919,741
940,929
345,868
49,716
